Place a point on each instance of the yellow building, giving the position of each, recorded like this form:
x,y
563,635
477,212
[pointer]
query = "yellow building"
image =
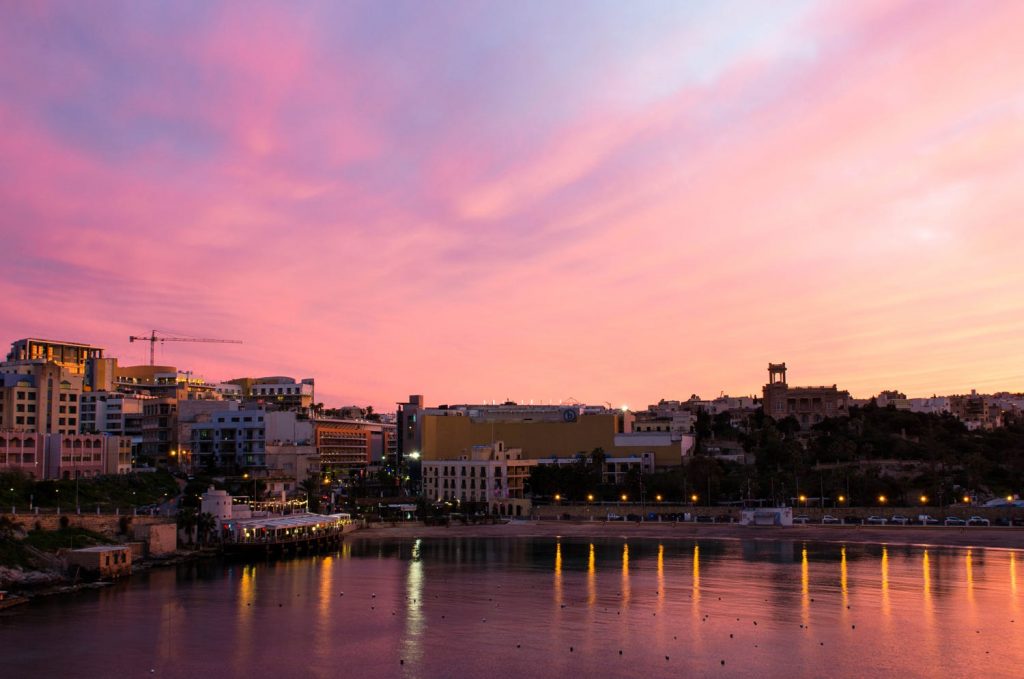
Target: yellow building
x,y
446,436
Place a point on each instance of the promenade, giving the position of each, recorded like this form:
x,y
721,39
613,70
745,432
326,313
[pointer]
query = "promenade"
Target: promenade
x,y
940,536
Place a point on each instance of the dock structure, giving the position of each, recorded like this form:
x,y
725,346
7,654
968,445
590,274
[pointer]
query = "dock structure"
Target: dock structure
x,y
289,534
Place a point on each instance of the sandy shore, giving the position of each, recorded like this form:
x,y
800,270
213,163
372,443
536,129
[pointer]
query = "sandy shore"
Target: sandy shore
x,y
939,536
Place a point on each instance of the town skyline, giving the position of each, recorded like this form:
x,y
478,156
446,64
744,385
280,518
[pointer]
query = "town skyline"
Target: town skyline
x,y
528,202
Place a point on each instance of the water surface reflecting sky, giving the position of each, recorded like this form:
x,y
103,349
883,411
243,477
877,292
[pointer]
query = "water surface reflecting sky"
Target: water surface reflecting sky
x,y
544,608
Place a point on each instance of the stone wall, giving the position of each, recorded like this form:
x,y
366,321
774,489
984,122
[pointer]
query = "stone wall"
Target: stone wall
x,y
106,524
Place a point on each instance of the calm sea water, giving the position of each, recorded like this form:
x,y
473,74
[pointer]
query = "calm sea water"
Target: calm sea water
x,y
544,608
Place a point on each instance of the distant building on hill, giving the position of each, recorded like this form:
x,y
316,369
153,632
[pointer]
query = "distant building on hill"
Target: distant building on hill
x,y
808,405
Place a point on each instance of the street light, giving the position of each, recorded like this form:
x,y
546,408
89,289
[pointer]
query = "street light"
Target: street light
x,y
658,498
590,497
967,499
924,499
881,499
803,499
842,498
624,497
558,497
693,498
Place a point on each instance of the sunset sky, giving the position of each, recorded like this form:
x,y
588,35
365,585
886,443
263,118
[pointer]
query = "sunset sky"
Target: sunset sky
x,y
610,201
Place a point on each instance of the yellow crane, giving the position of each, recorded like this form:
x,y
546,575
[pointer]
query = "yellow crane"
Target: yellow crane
x,y
153,338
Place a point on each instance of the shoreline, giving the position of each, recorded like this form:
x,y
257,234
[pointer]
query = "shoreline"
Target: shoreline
x,y
910,536
17,596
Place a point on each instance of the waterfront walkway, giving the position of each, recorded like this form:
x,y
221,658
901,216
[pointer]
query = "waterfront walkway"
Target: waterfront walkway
x,y
974,536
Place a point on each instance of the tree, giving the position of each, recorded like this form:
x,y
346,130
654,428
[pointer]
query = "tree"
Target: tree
x,y
187,519
205,525
311,487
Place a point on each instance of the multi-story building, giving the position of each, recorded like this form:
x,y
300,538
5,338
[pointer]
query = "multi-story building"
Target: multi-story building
x,y
160,429
808,405
491,474
539,431
106,412
192,413
39,397
353,445
616,470
277,392
231,439
290,454
57,456
151,380
72,356
21,452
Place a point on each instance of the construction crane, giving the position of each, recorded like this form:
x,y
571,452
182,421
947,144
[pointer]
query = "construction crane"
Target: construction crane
x,y
153,339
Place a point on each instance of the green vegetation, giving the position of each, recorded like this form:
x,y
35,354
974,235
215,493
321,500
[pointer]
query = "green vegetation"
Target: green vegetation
x,y
870,453
71,537
121,490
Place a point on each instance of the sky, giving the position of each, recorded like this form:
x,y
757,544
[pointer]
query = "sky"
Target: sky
x,y
608,201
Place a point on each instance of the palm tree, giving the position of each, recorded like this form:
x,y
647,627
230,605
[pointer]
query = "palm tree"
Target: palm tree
x,y
205,525
187,521
312,489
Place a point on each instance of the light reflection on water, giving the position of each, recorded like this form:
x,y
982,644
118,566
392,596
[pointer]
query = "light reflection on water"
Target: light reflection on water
x,y
487,607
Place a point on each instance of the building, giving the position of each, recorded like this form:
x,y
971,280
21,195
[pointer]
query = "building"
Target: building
x,y
151,380
104,561
808,405
72,356
22,452
490,474
345,446
277,392
616,470
160,429
232,439
193,412
540,432
85,455
104,412
40,398
290,454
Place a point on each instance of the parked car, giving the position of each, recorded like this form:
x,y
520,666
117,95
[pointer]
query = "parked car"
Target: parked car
x,y
703,518
828,518
876,520
614,517
900,520
852,520
978,521
955,521
803,518
927,520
